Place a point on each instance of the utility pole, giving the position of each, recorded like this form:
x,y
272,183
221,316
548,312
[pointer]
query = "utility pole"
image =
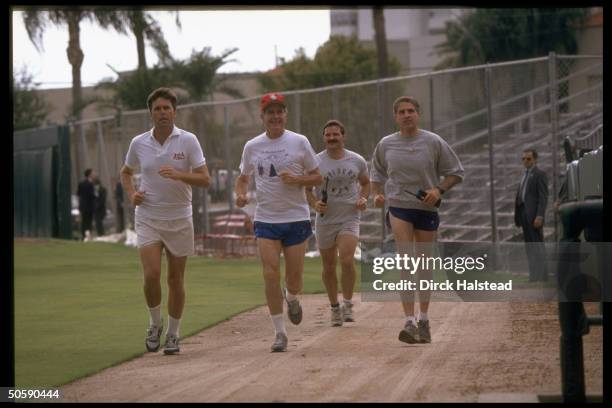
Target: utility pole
x,y
380,40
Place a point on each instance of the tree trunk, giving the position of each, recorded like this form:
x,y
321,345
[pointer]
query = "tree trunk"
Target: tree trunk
x,y
138,28
381,40
140,46
75,57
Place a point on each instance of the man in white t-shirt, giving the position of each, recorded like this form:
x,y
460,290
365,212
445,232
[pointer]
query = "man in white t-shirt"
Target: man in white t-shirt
x,y
339,201
171,161
283,163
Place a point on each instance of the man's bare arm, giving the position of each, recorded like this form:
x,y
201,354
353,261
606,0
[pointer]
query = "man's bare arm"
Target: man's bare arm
x,y
197,177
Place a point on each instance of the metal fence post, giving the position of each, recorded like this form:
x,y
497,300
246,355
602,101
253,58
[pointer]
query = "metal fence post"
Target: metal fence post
x,y
431,105
381,129
554,128
63,205
103,160
531,116
85,162
491,154
296,113
228,165
335,109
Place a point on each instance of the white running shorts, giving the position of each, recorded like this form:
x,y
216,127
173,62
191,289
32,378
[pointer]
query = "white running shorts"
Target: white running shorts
x,y
175,235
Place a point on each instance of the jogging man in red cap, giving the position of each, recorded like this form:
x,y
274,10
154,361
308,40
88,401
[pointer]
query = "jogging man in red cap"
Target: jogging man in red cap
x,y
284,163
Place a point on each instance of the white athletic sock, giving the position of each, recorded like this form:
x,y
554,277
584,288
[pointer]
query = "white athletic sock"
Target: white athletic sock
x,y
422,316
279,323
155,318
173,326
411,319
290,296
347,301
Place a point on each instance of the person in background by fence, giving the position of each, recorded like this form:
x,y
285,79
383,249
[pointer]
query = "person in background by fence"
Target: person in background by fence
x,y
87,202
99,206
410,160
283,163
347,187
529,210
120,220
171,161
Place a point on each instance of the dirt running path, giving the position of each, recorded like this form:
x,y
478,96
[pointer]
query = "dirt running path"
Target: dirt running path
x,y
477,349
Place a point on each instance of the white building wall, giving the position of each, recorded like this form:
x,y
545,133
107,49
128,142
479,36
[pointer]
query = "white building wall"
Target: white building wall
x,y
419,28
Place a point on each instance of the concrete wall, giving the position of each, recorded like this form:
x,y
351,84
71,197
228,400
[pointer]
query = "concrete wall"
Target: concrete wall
x,y
60,99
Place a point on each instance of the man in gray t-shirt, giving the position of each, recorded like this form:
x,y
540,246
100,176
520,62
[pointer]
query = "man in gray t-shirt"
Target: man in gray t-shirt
x,y
408,161
338,202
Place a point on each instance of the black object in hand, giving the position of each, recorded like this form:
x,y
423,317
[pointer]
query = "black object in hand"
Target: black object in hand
x,y
420,194
324,193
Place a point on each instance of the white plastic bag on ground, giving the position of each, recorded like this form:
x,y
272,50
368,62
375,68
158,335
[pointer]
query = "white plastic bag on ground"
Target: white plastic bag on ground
x,y
130,238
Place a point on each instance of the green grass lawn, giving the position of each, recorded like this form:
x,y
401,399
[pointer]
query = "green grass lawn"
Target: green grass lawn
x,y
79,307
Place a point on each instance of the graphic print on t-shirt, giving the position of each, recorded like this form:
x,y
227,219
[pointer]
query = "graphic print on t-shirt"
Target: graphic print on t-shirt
x,y
270,163
340,181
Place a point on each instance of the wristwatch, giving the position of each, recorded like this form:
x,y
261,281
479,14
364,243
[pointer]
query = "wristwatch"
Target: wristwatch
x,y
440,189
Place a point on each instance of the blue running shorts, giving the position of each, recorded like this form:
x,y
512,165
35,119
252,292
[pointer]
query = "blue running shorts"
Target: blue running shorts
x,y
421,219
289,233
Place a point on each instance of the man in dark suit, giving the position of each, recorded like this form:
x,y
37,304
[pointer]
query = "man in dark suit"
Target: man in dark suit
x,y
99,206
119,202
529,210
87,199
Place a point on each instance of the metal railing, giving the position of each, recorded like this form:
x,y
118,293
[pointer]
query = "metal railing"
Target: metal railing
x,y
489,113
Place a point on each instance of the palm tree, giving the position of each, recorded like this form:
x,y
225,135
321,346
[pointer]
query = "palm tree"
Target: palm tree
x,y
144,27
381,40
198,75
36,20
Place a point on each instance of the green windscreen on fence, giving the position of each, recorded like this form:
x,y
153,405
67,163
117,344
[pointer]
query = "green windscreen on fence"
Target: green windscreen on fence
x,y
41,183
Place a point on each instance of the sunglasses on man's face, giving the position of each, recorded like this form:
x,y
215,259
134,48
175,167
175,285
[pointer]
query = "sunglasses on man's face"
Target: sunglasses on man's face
x,y
526,158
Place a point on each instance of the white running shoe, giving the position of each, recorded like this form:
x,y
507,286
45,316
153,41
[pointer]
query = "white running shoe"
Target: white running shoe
x,y
152,339
336,316
347,312
172,344
280,342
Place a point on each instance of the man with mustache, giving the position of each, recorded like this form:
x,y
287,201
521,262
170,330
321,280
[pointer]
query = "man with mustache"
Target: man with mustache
x,y
347,187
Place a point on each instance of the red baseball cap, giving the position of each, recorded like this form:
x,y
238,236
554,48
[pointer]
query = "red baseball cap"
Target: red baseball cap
x,y
272,98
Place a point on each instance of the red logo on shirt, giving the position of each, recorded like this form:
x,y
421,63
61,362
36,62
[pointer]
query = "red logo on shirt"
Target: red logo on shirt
x,y
178,156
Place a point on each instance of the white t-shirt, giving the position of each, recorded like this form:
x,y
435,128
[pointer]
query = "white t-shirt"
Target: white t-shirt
x,y
165,199
278,202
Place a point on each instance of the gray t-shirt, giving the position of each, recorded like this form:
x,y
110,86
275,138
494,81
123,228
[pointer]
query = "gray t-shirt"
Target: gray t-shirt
x,y
412,163
343,187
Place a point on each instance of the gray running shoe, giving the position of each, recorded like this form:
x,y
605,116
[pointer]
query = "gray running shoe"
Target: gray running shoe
x,y
409,333
280,343
152,339
347,312
294,310
336,316
172,344
424,334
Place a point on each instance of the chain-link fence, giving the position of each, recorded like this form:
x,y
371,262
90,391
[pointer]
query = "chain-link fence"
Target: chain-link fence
x,y
488,113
